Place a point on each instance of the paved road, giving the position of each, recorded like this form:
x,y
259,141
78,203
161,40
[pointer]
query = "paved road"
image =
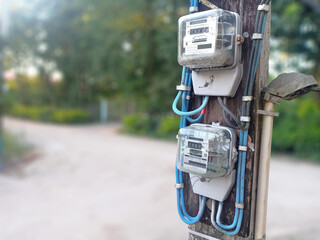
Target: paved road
x,y
89,183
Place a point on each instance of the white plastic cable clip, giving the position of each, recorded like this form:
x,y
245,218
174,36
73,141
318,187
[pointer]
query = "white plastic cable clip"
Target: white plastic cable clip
x,y
243,148
183,88
179,185
245,119
247,98
264,8
193,9
188,97
257,36
240,205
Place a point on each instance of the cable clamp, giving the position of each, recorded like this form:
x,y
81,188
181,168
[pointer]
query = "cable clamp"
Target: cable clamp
x,y
247,98
240,205
257,36
188,97
179,185
193,9
245,119
243,148
264,8
268,113
183,88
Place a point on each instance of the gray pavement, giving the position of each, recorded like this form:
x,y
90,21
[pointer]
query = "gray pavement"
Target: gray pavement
x,y
90,183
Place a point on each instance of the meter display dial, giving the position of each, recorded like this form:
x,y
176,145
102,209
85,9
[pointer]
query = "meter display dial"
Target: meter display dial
x,y
206,150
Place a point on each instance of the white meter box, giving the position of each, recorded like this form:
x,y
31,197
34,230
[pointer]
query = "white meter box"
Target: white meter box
x,y
208,40
206,150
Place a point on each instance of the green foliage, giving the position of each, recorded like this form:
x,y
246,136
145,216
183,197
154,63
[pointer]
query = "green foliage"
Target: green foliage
x,y
103,48
297,130
137,124
164,127
169,126
295,31
34,113
49,114
295,24
71,116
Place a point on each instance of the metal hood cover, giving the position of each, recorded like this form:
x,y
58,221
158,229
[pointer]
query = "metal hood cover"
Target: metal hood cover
x,y
289,86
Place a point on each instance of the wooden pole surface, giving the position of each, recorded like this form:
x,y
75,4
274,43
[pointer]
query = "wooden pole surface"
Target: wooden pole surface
x,y
247,9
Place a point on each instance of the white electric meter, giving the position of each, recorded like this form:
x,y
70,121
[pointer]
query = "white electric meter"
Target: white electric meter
x,y
206,150
208,40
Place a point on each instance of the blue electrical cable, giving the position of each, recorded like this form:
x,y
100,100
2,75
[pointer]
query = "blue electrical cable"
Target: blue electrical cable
x,y
260,45
198,119
202,201
184,105
195,3
181,203
191,113
188,118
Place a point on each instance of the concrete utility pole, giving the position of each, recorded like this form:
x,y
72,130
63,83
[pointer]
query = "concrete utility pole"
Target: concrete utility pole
x,y
247,9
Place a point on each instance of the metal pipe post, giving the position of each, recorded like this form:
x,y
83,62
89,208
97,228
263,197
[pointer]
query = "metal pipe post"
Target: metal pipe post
x,y
263,177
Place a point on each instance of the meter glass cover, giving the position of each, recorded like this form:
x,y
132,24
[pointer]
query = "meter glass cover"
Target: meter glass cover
x,y
209,39
206,150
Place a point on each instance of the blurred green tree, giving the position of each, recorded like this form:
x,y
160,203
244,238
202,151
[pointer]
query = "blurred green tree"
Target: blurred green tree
x,y
103,48
296,24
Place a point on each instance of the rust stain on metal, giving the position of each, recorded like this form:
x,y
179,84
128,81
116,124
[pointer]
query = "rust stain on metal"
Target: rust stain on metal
x,y
240,40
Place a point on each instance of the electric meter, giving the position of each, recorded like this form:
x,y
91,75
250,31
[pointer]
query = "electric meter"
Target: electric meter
x,y
206,150
208,40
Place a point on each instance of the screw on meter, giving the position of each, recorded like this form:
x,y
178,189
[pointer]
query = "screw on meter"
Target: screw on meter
x,y
195,155
206,150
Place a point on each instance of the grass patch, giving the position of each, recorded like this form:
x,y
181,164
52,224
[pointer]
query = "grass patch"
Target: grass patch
x,y
14,149
165,127
50,114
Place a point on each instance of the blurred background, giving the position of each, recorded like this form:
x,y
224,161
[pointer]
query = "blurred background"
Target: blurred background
x,y
76,64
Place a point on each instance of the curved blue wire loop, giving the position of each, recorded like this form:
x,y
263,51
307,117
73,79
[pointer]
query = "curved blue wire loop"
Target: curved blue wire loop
x,y
198,119
238,226
190,113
